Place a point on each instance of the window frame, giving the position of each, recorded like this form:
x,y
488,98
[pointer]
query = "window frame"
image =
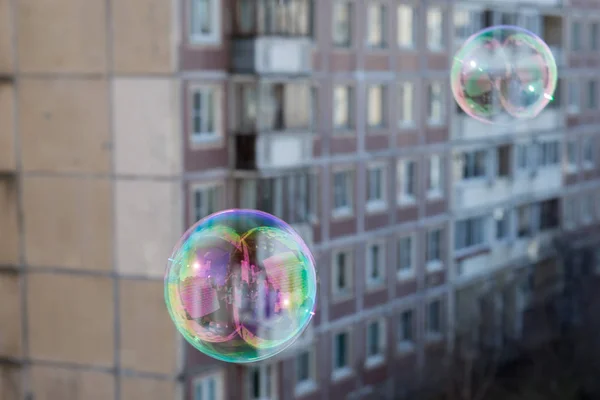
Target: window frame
x,y
346,210
573,95
477,234
589,144
309,385
404,345
374,360
435,192
262,369
199,138
383,25
441,24
413,34
349,42
337,293
410,272
437,97
379,204
339,373
405,102
436,264
349,108
382,87
433,335
213,38
218,377
370,282
403,198
200,187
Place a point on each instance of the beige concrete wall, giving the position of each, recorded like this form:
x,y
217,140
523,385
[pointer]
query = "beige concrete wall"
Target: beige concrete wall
x,y
9,229
10,383
51,383
147,119
68,222
6,30
64,125
71,318
10,316
143,33
7,127
149,223
149,339
62,36
147,389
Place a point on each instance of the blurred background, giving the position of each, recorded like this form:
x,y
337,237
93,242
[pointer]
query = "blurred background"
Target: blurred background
x,y
456,260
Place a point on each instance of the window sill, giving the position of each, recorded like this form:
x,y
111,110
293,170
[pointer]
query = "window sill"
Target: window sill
x,y
408,125
405,347
374,361
373,286
588,166
435,195
376,206
407,201
341,374
434,266
342,213
206,140
406,274
433,337
407,47
341,297
436,123
204,40
571,169
304,388
343,131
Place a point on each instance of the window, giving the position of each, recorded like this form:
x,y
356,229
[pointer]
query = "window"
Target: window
x,y
285,106
548,153
406,103
305,371
342,273
204,114
576,35
572,154
474,164
342,107
502,223
205,21
343,191
588,152
574,97
470,232
592,91
587,209
549,214
205,201
405,24
597,261
341,353
466,23
406,329
522,156
504,160
435,175
435,29
405,256
376,187
376,25
375,264
570,210
375,342
594,31
262,382
407,176
209,387
342,24
435,103
375,108
434,318
524,221
433,249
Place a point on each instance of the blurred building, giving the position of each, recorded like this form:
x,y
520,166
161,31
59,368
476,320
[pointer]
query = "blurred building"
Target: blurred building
x,y
123,122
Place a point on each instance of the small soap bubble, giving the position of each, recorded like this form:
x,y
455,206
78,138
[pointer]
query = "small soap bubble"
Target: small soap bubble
x,y
241,286
503,74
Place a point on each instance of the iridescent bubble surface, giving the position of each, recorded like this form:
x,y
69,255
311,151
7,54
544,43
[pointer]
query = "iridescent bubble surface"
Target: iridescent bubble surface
x,y
503,74
241,285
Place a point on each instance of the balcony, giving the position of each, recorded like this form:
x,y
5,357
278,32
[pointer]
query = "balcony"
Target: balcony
x,y
272,124
272,37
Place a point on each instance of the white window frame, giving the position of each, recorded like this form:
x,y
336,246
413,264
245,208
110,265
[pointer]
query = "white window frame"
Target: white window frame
x,y
544,156
212,38
347,210
587,209
263,381
574,96
406,273
481,241
204,188
405,43
380,97
346,371
375,360
437,161
436,93
579,45
403,197
334,15
571,164
432,25
434,264
406,104
502,215
379,282
349,108
203,379
303,388
434,335
377,205
570,213
216,133
371,40
338,293
403,345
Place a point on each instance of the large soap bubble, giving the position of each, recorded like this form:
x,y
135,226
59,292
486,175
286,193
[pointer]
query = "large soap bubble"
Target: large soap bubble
x,y
502,74
240,285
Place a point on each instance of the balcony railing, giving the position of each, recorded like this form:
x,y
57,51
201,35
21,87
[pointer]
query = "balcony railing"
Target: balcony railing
x,y
273,18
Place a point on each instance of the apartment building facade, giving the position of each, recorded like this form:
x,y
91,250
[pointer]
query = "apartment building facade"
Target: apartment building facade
x,y
138,118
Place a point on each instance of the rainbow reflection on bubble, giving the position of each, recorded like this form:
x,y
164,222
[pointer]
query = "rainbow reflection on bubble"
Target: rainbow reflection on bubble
x,y
241,285
502,74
